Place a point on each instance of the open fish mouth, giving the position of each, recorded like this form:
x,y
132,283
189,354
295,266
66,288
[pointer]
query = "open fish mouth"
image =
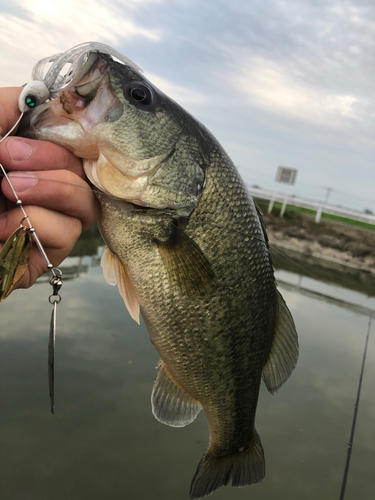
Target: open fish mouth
x,y
106,112
81,95
79,61
85,101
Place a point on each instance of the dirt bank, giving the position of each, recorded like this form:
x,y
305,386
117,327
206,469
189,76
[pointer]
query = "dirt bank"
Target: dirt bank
x,y
339,244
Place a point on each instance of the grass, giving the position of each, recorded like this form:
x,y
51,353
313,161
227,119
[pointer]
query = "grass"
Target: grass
x,y
338,218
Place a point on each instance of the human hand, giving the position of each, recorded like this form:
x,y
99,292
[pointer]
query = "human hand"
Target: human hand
x,y
52,185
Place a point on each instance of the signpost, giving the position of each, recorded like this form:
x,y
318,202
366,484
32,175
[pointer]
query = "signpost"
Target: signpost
x,y
285,175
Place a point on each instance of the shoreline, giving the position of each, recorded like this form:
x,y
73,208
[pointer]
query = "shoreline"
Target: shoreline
x,y
333,261
337,245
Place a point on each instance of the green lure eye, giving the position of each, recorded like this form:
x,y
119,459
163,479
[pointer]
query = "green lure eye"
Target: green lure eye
x,y
33,94
30,101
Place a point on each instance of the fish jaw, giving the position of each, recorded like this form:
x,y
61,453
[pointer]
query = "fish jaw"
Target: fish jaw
x,y
71,119
129,135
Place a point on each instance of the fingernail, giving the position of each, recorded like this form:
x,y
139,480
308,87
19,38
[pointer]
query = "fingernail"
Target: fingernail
x,y
3,222
23,181
19,150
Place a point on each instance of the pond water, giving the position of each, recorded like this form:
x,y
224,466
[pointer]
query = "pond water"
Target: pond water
x,y
103,441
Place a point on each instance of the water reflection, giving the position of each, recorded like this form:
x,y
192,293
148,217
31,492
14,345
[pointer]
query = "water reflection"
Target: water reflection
x,y
336,274
103,441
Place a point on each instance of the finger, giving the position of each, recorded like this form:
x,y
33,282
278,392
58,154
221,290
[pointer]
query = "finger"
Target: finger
x,y
2,203
9,111
56,231
59,190
18,153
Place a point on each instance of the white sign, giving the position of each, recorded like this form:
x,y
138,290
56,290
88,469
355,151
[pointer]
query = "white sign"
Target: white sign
x,y
286,175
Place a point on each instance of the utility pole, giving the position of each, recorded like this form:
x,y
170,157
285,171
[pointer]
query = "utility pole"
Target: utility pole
x,y
329,190
323,205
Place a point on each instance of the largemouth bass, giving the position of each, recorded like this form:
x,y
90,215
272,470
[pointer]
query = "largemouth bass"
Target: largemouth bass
x,y
188,250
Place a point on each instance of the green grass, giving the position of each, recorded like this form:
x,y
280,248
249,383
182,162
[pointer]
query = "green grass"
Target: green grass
x,y
346,220
291,208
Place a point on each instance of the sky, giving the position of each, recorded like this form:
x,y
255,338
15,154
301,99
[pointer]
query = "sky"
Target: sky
x,y
278,82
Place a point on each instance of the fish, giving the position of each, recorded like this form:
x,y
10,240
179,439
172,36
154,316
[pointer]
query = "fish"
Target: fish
x,y
188,250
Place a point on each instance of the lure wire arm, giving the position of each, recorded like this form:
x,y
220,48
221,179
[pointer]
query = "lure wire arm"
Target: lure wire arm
x,y
55,280
19,203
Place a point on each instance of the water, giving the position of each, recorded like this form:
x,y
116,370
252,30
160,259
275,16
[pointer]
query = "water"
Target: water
x,y
103,441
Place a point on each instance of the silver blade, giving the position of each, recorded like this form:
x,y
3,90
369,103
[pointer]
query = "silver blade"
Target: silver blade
x,y
51,358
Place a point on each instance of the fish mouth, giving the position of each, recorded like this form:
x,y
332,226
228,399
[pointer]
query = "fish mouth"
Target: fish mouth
x,y
84,103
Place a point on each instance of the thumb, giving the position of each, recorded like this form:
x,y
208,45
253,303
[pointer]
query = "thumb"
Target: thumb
x,y
9,111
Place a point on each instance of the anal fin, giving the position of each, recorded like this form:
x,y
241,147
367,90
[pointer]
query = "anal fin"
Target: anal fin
x,y
284,350
171,405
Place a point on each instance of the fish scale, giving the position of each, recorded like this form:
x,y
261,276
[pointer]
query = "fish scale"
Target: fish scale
x,y
214,335
189,251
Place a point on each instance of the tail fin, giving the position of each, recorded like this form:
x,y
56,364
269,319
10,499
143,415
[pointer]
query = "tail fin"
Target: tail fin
x,y
242,469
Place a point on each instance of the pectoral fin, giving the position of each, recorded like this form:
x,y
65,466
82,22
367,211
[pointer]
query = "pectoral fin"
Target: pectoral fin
x,y
284,350
108,264
186,264
115,273
170,404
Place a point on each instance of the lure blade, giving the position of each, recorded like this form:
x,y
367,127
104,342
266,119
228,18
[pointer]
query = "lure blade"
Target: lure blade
x,y
51,358
14,259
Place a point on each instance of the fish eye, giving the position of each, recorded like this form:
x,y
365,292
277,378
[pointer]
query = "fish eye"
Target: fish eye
x,y
141,93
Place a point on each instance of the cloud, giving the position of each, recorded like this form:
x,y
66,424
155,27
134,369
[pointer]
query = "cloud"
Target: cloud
x,y
307,69
184,96
46,27
272,84
280,82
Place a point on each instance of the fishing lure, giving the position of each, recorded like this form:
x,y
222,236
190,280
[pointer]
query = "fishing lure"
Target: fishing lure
x,y
16,252
15,255
14,259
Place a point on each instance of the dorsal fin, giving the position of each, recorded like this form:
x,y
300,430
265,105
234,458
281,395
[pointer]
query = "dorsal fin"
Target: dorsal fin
x,y
284,350
115,273
262,223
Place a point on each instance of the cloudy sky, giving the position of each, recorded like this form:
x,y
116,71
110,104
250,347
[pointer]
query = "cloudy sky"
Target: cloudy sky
x,y
278,82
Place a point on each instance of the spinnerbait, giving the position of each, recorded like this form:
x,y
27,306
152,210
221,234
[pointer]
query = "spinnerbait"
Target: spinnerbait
x,y
15,255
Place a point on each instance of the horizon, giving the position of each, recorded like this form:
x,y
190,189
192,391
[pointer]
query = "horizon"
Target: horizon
x,y
277,83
